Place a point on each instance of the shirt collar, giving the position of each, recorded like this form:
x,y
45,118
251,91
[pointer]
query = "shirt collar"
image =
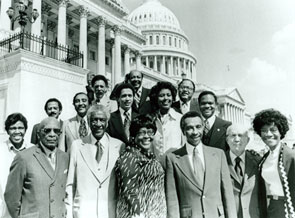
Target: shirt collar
x,y
103,141
139,91
211,120
45,150
276,151
122,112
12,148
172,114
188,102
80,118
190,148
233,157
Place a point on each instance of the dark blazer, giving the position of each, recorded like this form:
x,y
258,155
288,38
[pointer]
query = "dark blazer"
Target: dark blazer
x,y
33,188
185,198
247,192
216,137
144,103
116,126
288,156
193,106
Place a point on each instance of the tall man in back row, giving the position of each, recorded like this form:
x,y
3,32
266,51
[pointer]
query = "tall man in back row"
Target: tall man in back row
x,y
214,127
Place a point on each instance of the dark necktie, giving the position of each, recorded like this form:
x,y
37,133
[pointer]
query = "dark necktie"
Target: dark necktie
x,y
207,127
198,167
238,168
127,124
83,129
99,151
136,99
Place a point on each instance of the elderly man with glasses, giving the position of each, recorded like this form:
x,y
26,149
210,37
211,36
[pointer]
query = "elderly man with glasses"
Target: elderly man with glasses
x,y
37,179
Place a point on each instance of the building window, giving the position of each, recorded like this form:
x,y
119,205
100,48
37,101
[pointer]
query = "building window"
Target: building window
x,y
92,55
107,60
157,40
179,43
164,40
175,42
170,41
151,40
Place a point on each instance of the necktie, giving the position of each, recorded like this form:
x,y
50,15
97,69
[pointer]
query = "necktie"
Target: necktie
x,y
207,127
198,167
136,99
52,160
83,129
99,151
238,168
127,123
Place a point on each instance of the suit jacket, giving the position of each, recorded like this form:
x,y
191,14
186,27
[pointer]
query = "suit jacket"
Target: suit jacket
x,y
70,133
33,188
144,106
185,198
288,156
34,137
216,137
246,192
89,193
193,106
116,126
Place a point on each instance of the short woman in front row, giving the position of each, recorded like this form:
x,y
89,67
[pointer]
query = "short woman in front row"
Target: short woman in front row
x,y
278,165
140,175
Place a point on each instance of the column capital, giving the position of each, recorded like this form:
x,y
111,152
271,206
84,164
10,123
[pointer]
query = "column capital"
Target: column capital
x,y
125,49
63,3
45,8
111,41
117,30
83,11
137,53
101,21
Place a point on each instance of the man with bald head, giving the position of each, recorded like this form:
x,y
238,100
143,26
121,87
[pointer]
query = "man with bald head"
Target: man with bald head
x,y
37,179
243,167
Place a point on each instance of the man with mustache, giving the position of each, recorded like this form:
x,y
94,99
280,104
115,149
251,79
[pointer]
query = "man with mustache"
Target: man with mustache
x,y
77,126
120,120
214,127
53,108
141,103
186,89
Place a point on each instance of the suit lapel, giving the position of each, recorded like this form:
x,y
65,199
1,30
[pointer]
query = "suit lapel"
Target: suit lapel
x,y
143,96
185,167
249,167
216,131
74,127
58,167
231,167
42,160
118,123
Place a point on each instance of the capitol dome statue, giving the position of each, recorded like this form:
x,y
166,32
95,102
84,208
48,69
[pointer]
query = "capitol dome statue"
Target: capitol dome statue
x,y
167,47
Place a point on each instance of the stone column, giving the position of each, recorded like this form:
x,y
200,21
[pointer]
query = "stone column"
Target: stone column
x,y
178,66
61,26
147,61
155,63
36,26
126,60
101,46
84,12
112,43
138,60
117,32
170,66
4,19
163,65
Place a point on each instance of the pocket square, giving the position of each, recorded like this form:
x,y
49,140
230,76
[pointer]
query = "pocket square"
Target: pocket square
x,y
66,170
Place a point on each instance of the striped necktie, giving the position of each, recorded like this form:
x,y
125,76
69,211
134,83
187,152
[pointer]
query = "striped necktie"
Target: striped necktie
x,y
127,122
83,129
136,99
207,127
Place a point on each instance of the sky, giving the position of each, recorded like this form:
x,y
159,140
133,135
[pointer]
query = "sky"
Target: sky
x,y
248,44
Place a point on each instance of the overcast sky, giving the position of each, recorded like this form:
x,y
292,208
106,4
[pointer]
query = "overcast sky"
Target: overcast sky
x,y
248,44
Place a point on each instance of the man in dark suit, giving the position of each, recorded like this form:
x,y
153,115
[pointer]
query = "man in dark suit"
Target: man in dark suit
x,y
186,89
53,108
141,103
77,126
197,177
214,127
37,180
244,171
119,122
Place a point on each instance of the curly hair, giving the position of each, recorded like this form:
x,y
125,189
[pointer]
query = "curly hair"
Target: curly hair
x,y
13,118
156,90
142,121
269,117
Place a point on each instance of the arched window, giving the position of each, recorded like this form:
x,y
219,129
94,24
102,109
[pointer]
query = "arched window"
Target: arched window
x,y
157,40
164,40
151,40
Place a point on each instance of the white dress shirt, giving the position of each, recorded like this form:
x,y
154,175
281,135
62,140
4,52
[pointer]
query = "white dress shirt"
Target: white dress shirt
x,y
271,175
200,153
243,160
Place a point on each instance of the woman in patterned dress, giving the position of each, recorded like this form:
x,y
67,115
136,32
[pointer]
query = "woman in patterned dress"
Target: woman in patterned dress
x,y
277,166
140,175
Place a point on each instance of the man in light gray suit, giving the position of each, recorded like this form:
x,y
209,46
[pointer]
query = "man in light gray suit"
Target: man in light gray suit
x,y
198,183
37,179
91,186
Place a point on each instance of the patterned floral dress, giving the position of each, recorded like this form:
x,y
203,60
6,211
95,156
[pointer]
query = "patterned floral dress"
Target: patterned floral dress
x,y
141,185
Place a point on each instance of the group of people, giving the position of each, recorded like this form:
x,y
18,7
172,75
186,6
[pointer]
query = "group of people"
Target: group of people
x,y
141,154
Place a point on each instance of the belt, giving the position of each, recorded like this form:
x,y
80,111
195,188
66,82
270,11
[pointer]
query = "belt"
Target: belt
x,y
276,197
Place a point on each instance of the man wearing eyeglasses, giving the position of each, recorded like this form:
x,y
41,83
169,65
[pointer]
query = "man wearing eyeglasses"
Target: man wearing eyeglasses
x,y
186,89
37,179
91,185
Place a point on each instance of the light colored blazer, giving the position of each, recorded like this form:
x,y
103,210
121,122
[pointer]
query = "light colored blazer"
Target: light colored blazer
x,y
70,133
185,198
90,193
33,188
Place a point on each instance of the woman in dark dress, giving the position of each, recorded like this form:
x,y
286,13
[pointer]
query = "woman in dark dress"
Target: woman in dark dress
x,y
140,175
278,164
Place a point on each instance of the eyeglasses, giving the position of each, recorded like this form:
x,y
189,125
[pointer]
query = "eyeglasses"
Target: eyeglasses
x,y
148,132
13,129
272,130
186,87
48,130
